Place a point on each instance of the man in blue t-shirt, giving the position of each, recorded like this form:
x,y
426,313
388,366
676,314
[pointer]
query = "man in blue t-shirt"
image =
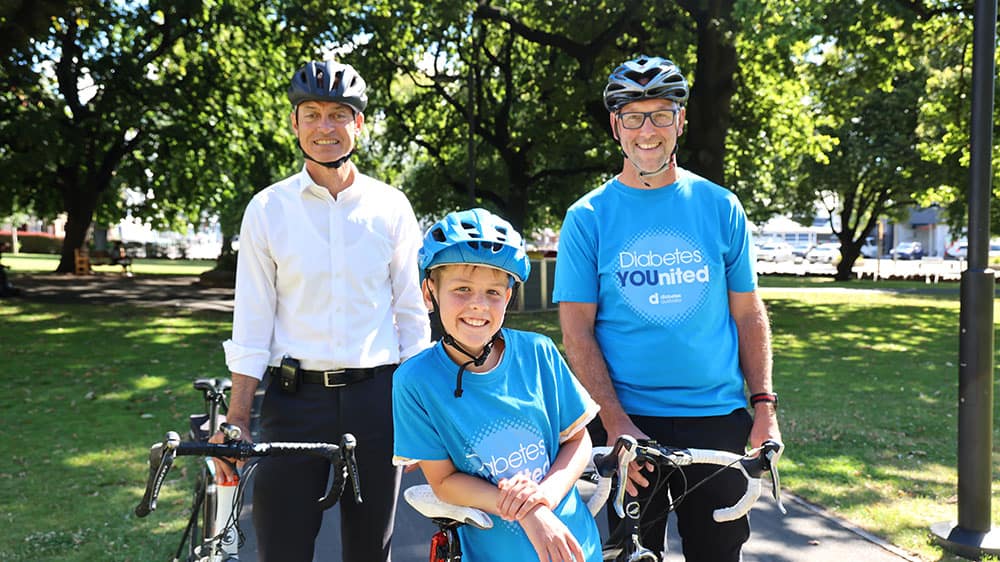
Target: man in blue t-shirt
x,y
493,416
660,316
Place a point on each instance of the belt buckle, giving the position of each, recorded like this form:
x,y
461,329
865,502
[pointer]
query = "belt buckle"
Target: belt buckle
x,y
328,374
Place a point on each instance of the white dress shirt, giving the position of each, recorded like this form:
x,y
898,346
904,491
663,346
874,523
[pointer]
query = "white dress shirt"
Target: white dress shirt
x,y
331,282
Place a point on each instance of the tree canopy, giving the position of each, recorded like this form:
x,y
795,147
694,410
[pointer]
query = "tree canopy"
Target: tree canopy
x,y
175,100
862,106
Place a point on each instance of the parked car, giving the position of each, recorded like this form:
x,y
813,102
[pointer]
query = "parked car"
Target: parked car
x,y
869,249
827,252
774,251
960,250
907,251
800,249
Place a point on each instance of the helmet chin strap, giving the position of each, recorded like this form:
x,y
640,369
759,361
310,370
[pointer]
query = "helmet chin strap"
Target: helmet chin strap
x,y
332,164
643,174
447,339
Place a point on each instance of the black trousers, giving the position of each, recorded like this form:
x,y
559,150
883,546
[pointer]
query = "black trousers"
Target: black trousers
x,y
702,539
286,488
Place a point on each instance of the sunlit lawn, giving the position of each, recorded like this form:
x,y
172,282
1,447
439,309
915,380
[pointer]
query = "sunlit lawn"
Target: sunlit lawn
x,y
47,263
868,385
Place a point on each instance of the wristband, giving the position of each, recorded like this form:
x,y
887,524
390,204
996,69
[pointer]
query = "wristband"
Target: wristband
x,y
764,397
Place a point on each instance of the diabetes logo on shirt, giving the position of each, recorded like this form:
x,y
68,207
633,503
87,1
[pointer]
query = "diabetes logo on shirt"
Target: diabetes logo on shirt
x,y
514,451
663,277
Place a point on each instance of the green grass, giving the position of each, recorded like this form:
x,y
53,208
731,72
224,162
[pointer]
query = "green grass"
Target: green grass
x,y
47,263
868,382
88,389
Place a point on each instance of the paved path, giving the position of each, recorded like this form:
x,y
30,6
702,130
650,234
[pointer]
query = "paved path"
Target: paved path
x,y
805,534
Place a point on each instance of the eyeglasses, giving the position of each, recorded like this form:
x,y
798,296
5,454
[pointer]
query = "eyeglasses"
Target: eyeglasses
x,y
636,119
339,116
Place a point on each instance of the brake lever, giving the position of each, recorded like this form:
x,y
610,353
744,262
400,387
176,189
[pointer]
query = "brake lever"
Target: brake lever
x,y
161,458
626,455
772,452
347,446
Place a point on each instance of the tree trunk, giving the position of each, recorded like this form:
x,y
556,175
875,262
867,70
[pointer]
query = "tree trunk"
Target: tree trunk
x,y
80,204
709,113
845,269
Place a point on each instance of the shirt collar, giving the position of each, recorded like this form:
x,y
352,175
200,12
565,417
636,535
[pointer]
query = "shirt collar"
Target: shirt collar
x,y
306,183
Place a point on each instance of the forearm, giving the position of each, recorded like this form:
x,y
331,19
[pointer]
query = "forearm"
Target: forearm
x,y
589,367
755,352
585,358
464,489
241,400
756,363
569,464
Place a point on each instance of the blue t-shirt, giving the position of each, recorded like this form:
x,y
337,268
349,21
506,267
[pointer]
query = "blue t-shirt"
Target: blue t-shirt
x,y
509,420
659,264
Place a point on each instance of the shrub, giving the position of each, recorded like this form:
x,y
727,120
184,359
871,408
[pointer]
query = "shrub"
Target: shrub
x,y
33,242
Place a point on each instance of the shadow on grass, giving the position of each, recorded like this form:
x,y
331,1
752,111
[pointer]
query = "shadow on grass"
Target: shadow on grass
x,y
89,390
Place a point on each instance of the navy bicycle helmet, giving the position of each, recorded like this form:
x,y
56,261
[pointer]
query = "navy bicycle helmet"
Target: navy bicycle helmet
x,y
328,81
477,237
645,78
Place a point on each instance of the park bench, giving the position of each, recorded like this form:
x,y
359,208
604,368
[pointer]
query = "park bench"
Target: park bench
x,y
85,259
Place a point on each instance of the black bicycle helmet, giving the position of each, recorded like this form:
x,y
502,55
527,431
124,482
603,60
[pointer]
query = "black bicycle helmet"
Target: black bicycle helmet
x,y
328,81
645,78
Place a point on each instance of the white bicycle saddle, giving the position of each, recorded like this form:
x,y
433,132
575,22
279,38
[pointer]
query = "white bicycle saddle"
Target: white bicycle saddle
x,y
422,498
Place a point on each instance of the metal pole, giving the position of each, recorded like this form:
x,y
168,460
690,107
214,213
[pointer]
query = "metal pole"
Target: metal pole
x,y
973,535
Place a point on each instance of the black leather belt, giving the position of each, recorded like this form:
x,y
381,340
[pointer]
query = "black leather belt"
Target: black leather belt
x,y
335,378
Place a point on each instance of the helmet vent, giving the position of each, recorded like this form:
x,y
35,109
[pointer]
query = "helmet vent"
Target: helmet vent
x,y
471,229
645,77
438,234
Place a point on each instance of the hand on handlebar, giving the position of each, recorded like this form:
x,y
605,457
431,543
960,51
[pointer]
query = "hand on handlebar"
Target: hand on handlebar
x,y
636,478
225,474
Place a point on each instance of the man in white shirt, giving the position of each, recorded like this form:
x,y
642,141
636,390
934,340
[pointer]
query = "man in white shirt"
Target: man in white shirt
x,y
326,284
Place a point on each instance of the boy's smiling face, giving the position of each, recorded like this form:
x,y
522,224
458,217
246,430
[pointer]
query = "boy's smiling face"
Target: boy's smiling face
x,y
472,301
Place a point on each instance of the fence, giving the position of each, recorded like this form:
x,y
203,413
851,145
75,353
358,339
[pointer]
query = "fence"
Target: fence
x,y
536,294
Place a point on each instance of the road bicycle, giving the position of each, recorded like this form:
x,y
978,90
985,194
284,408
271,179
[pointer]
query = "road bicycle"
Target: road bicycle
x,y
212,534
609,469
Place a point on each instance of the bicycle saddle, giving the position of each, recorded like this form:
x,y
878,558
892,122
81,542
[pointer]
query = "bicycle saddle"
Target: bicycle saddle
x,y
422,498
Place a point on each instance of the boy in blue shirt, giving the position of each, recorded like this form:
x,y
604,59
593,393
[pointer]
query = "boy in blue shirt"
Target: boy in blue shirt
x,y
507,433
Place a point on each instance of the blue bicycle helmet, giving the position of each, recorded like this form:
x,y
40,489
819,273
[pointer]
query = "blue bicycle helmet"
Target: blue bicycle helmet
x,y
478,237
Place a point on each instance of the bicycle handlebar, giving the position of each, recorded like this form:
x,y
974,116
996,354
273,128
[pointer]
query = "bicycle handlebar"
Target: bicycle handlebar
x,y
161,458
611,460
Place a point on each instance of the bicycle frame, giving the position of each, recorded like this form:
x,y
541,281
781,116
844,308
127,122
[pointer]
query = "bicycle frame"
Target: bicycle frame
x,y
217,538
